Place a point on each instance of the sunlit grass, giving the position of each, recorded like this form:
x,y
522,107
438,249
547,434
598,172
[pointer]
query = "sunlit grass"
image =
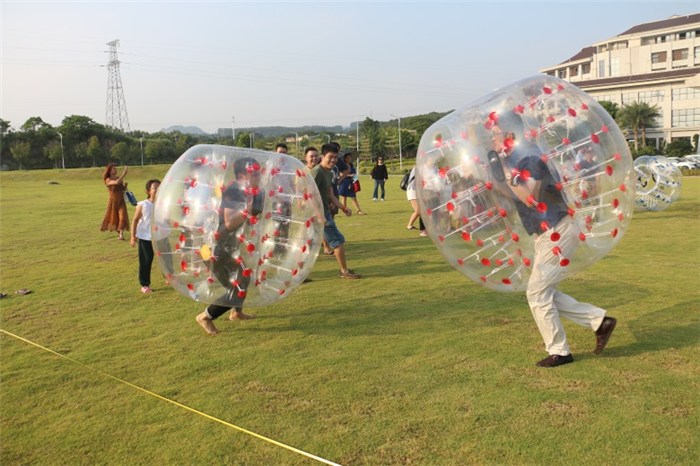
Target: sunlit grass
x,y
413,364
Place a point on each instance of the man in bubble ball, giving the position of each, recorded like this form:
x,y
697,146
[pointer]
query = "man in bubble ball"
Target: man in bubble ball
x,y
239,199
520,173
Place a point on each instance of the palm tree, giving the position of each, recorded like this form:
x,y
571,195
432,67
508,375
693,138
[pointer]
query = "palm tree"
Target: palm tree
x,y
638,116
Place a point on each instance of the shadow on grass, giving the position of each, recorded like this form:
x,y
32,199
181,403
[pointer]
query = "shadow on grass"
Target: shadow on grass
x,y
675,327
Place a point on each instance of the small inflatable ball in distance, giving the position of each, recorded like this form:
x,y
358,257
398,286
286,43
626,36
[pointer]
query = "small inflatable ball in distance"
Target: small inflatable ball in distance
x,y
658,182
235,225
534,173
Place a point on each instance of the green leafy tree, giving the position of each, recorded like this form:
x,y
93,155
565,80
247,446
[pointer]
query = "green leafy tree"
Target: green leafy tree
x,y
21,152
81,153
6,139
5,127
679,148
52,151
159,150
638,116
243,139
376,138
94,149
611,107
121,152
32,124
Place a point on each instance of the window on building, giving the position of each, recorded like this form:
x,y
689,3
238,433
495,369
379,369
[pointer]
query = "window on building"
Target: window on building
x,y
573,71
561,74
651,96
680,54
608,98
685,117
685,93
629,97
660,119
658,57
615,66
681,35
586,68
696,53
601,68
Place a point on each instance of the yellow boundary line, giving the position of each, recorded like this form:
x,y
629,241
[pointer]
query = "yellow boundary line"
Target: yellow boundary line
x,y
220,421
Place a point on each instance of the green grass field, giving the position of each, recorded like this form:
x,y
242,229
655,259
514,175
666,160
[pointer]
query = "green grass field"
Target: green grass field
x,y
413,364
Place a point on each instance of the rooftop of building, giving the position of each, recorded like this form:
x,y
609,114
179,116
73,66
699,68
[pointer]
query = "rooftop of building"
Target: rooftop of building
x,y
673,21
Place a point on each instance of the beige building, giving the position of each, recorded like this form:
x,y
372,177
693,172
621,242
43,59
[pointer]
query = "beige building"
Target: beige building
x,y
657,63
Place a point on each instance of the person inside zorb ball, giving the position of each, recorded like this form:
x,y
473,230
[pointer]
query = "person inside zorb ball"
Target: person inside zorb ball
x,y
525,187
236,226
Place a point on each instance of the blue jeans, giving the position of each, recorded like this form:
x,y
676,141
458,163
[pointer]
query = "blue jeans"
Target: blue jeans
x,y
377,184
331,234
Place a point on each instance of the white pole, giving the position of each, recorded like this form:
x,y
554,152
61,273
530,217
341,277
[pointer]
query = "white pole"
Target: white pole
x,y
63,160
233,129
141,140
400,151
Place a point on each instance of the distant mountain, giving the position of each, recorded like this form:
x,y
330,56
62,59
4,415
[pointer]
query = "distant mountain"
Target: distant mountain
x,y
276,131
185,130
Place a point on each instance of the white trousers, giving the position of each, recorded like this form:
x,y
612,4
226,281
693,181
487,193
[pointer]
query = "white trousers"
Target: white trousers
x,y
548,304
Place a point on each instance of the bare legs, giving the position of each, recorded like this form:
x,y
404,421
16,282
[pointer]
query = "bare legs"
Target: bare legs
x,y
237,314
414,215
357,204
207,323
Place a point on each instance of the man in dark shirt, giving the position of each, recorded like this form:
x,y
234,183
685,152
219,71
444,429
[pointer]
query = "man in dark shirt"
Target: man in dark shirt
x,y
241,201
544,214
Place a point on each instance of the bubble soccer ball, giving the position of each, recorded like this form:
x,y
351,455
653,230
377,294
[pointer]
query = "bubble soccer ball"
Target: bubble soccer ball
x,y
233,225
658,182
536,171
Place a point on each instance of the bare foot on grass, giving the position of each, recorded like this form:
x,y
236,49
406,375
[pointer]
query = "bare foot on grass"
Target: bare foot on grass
x,y
239,315
207,324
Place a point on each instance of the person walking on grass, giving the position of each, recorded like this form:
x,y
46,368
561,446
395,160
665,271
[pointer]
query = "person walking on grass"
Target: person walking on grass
x,y
379,175
240,199
412,197
333,236
141,231
555,237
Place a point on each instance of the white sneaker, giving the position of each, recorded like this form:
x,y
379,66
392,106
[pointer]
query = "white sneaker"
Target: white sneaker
x,y
382,199
375,199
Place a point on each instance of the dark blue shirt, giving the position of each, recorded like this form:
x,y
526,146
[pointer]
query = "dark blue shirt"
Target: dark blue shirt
x,y
556,208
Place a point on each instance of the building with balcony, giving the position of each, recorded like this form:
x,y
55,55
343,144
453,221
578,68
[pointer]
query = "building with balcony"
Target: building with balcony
x,y
656,62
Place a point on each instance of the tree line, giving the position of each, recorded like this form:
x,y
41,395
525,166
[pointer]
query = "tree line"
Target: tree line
x,y
79,141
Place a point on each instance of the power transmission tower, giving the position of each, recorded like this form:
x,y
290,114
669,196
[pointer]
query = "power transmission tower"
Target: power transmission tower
x,y
117,117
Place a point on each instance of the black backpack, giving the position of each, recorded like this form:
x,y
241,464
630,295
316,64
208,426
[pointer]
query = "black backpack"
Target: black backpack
x,y
404,181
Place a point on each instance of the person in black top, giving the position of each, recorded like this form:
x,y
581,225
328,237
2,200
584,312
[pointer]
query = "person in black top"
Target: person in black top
x,y
521,173
379,175
241,201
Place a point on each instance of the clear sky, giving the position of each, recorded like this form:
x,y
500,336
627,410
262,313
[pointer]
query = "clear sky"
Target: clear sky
x,y
288,63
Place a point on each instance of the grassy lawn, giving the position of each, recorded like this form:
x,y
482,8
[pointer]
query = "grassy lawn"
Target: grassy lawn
x,y
413,364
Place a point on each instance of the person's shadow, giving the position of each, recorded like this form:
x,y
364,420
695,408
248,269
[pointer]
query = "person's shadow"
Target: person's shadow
x,y
660,330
